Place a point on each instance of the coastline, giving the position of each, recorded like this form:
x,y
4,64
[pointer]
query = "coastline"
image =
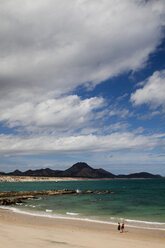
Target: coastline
x,y
33,231
7,179
137,224
62,208
36,179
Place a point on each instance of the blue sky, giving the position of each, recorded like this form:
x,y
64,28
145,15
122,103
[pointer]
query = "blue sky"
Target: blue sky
x,y
82,81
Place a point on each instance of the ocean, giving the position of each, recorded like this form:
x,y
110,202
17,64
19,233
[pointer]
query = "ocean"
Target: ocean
x,y
139,203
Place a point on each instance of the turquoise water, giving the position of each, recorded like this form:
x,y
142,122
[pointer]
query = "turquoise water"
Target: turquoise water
x,y
139,202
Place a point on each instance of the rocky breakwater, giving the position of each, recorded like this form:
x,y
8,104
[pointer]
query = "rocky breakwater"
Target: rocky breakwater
x,y
12,197
14,200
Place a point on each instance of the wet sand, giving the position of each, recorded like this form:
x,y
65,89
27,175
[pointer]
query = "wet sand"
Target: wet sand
x,y
19,230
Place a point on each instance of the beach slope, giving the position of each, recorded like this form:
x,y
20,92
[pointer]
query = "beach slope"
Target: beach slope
x,y
19,230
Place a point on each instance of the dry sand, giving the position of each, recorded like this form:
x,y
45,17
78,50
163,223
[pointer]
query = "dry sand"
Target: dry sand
x,y
19,230
36,179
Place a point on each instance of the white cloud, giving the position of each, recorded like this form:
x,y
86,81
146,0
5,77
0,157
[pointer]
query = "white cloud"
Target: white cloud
x,y
122,113
65,113
139,130
50,47
46,144
118,126
152,93
59,44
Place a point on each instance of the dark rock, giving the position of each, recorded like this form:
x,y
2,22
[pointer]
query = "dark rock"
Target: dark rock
x,y
89,192
10,198
32,194
7,202
107,192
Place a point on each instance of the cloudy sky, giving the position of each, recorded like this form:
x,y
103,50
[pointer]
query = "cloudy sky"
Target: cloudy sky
x,y
82,80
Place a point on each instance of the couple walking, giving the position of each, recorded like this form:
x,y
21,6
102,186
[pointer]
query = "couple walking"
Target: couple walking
x,y
121,227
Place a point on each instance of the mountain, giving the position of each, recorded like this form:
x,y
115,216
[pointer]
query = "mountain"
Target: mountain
x,y
16,173
139,175
34,173
79,169
42,173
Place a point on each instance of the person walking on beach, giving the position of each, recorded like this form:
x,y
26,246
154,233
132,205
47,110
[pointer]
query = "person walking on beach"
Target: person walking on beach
x,y
122,227
118,228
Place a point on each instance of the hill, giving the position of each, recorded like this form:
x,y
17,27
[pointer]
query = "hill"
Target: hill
x,y
139,175
79,169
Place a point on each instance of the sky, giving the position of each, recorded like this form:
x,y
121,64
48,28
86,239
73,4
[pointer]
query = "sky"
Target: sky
x,y
82,80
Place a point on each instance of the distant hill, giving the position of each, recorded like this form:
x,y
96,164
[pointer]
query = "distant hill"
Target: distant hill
x,y
139,175
84,170
79,169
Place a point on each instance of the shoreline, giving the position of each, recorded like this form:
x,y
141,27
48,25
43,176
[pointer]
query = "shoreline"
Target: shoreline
x,y
7,179
41,231
72,216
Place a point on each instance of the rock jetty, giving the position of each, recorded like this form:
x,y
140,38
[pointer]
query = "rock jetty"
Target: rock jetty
x,y
12,197
35,193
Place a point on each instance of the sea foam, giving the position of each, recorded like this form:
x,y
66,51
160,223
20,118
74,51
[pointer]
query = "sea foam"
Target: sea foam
x,y
69,213
152,225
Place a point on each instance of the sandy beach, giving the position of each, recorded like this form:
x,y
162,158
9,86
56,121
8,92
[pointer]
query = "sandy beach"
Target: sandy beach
x,y
55,179
36,179
19,230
